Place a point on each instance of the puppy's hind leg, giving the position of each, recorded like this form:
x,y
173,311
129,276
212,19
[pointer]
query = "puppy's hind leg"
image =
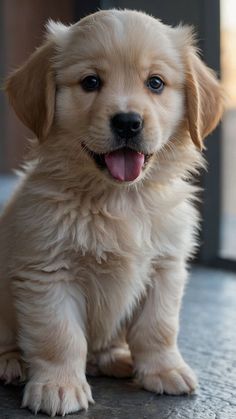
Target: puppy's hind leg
x,y
12,368
114,361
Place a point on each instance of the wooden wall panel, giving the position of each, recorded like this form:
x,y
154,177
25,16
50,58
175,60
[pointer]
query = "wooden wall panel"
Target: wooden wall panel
x,y
24,22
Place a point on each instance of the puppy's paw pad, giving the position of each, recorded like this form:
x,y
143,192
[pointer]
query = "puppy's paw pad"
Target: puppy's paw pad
x,y
12,369
175,381
55,399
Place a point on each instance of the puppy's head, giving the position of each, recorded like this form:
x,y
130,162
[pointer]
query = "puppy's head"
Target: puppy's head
x,y
117,87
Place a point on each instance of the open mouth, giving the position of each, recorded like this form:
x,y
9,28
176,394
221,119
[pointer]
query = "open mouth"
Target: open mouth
x,y
124,164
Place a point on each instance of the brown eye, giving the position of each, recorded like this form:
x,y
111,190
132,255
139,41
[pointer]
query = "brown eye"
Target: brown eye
x,y
155,84
91,83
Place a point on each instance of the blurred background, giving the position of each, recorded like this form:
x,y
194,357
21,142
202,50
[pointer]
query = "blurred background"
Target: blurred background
x,y
21,30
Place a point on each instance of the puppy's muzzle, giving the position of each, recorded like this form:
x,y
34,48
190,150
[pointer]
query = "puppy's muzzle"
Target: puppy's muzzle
x,y
126,125
126,159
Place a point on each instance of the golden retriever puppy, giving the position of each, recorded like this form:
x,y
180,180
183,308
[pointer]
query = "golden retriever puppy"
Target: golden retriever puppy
x,y
95,241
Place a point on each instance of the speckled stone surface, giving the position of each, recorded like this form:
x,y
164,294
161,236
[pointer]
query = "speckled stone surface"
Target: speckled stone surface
x,y
208,342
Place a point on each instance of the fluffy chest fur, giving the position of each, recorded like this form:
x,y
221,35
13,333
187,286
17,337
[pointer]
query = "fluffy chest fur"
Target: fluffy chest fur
x,y
149,222
103,244
116,240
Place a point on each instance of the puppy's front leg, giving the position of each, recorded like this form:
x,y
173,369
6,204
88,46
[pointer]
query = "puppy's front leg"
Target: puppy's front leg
x,y
153,335
52,337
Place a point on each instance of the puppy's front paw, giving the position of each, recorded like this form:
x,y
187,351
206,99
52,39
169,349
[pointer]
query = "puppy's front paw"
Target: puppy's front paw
x,y
56,398
175,381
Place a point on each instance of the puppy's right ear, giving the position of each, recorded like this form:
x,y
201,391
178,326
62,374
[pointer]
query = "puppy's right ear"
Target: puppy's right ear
x,y
31,90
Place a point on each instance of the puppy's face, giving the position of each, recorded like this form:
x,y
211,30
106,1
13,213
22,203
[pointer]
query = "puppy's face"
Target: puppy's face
x,y
120,93
125,83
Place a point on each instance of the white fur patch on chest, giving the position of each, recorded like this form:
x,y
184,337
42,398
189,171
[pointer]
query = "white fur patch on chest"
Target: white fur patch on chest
x,y
148,224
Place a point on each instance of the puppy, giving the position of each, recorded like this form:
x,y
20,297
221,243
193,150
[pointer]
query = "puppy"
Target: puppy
x,y
95,241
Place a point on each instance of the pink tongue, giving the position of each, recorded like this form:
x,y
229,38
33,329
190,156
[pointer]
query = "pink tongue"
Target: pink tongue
x,y
124,164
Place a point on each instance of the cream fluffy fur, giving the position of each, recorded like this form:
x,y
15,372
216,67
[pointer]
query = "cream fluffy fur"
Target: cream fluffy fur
x,y
92,268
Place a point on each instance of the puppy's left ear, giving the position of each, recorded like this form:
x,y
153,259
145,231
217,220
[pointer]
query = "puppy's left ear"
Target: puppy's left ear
x,y
204,98
31,91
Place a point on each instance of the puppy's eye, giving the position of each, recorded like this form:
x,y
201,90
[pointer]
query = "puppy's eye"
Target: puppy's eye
x,y
91,83
155,84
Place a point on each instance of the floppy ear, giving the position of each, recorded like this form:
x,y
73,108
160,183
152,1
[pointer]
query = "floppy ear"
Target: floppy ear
x,y
31,91
204,98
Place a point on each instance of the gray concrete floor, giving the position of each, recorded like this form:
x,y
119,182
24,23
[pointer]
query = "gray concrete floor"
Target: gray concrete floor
x,y
208,342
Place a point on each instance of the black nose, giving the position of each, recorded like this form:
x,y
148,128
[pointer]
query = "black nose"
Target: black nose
x,y
126,125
